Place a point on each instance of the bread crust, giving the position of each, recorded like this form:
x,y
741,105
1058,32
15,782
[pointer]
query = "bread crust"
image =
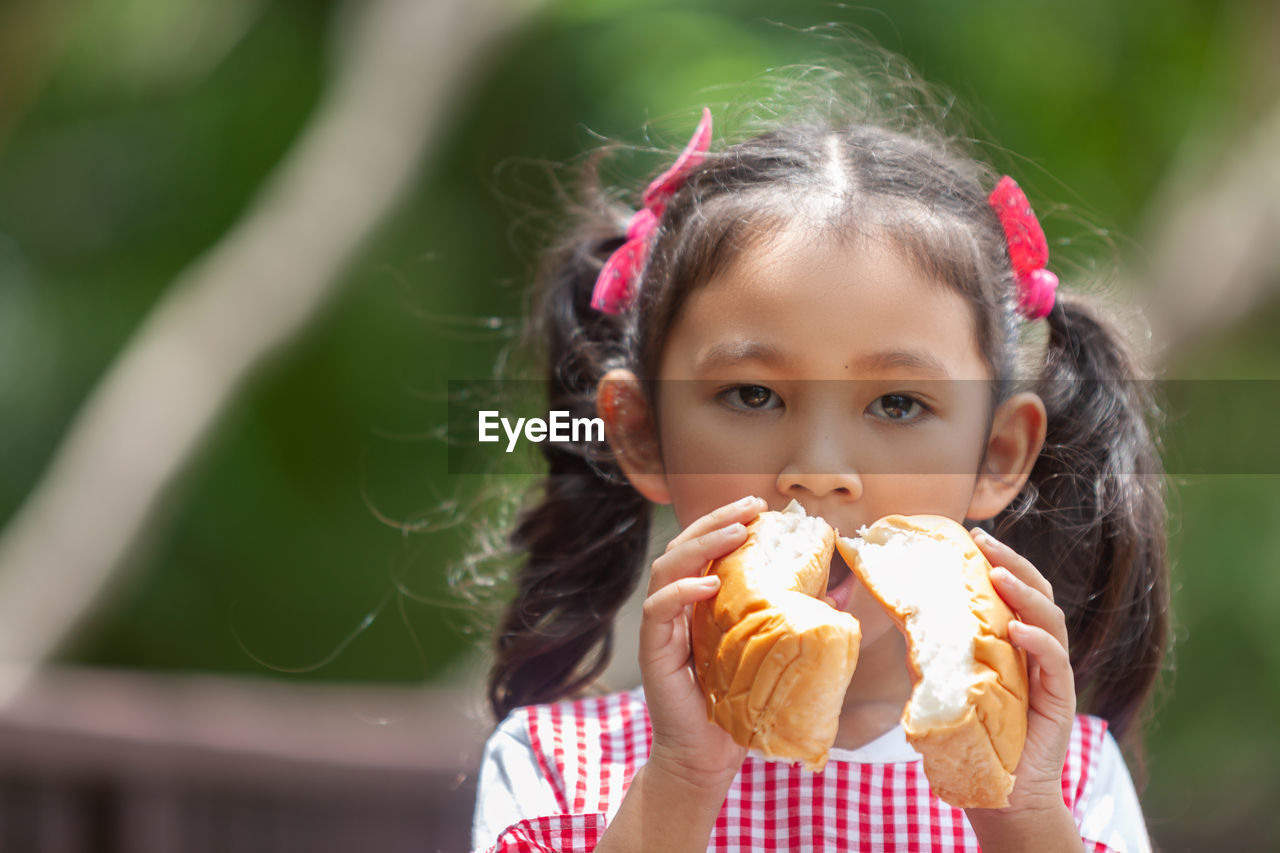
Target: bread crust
x,y
773,660
970,759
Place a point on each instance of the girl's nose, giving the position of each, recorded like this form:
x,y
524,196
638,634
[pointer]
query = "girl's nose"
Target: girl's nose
x,y
820,459
796,482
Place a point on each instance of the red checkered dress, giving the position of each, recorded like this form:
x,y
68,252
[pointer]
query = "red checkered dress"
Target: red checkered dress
x,y
589,750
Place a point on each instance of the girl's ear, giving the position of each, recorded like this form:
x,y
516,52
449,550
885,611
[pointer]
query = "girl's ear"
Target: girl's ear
x,y
629,427
1017,435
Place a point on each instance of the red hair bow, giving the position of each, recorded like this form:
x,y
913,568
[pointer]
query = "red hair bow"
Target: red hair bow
x,y
614,286
1028,249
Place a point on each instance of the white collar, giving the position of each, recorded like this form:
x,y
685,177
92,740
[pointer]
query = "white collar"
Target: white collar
x,y
890,748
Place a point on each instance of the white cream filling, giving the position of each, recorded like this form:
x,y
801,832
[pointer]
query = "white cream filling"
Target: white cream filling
x,y
922,577
784,539
787,536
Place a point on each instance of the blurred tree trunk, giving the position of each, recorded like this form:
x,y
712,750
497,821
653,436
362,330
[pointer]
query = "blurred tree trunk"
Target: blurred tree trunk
x,y
1216,241
398,70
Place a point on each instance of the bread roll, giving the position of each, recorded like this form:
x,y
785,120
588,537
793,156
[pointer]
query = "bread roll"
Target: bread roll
x,y
968,709
773,660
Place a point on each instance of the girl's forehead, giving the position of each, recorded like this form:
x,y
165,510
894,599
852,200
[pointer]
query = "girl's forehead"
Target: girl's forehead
x,y
824,309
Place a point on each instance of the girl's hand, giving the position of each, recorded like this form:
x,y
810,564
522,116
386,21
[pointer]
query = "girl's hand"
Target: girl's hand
x,y
685,743
1040,630
676,795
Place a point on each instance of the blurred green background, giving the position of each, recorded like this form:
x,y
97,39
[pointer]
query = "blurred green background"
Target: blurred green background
x,y
134,134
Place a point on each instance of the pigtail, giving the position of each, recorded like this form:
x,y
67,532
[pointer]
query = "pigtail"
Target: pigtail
x,y
1093,515
586,537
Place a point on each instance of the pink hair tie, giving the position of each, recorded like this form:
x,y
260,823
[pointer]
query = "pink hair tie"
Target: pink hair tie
x,y
1028,249
615,284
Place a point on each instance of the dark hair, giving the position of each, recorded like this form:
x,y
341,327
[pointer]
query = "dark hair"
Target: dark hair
x,y
1091,516
586,538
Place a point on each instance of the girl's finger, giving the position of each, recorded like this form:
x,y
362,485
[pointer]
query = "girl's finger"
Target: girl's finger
x,y
664,608
1032,606
1000,554
739,511
1054,681
692,556
669,602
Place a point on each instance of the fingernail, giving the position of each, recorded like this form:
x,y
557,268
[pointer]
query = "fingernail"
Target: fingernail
x,y
734,529
747,501
982,535
709,581
999,574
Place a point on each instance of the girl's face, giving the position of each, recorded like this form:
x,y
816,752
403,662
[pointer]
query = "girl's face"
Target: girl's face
x,y
833,374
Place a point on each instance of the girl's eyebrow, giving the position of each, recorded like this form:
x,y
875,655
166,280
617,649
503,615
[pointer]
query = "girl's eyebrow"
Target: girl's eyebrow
x,y
728,354
913,360
732,353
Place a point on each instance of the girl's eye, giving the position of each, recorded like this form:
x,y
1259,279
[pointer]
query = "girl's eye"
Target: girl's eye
x,y
897,407
752,397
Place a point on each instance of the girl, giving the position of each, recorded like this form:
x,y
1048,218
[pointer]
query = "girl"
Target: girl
x,y
849,316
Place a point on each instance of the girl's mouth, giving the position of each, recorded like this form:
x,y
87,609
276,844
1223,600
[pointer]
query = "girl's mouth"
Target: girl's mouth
x,y
840,582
